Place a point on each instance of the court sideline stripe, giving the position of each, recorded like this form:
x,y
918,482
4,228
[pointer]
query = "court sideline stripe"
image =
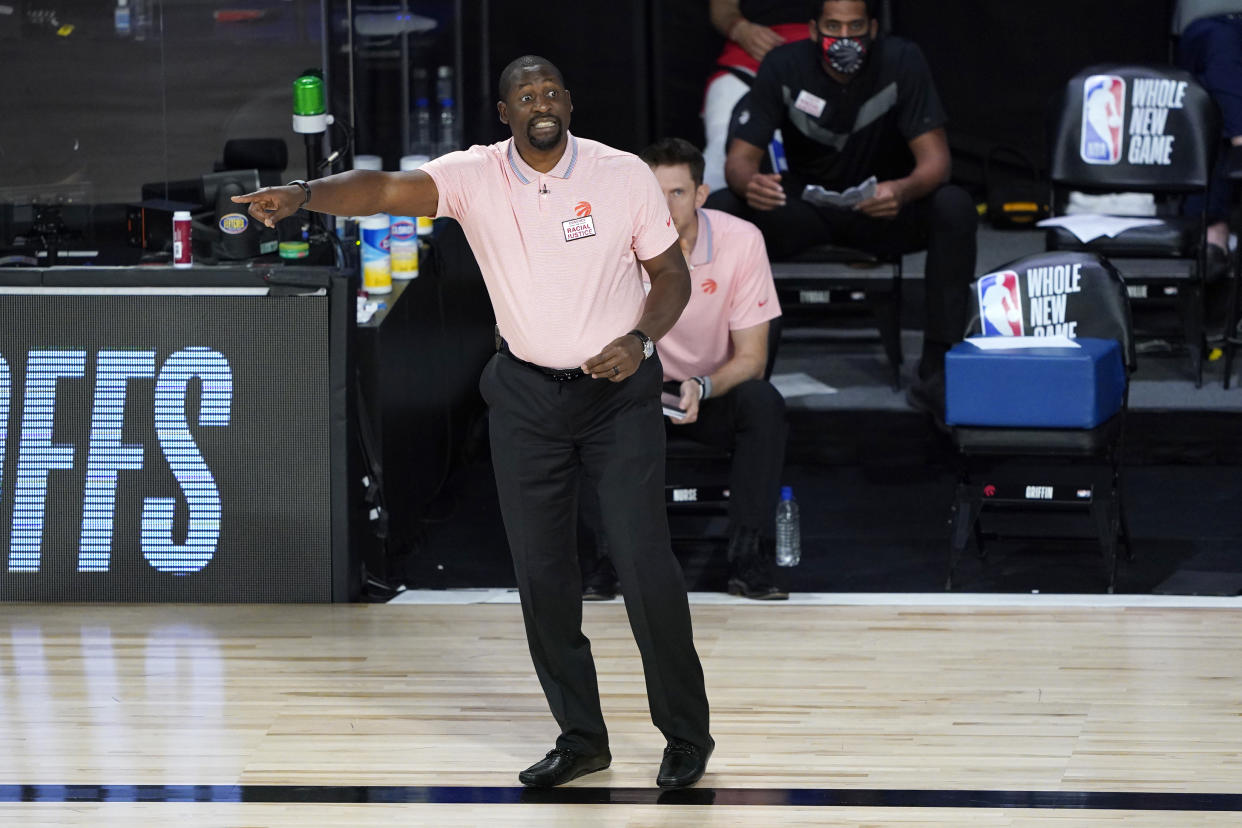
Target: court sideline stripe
x,y
890,600
802,797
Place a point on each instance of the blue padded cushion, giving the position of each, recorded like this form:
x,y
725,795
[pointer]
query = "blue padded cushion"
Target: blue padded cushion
x,y
1040,388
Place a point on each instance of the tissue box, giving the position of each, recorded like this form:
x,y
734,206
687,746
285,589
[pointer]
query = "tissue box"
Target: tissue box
x,y
1059,387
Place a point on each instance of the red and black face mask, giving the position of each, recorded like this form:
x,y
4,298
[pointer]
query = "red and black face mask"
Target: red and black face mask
x,y
845,54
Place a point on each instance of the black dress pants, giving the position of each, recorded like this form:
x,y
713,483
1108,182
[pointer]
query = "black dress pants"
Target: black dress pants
x,y
944,223
749,421
545,435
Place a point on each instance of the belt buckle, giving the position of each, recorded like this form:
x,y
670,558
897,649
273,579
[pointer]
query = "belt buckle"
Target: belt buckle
x,y
566,375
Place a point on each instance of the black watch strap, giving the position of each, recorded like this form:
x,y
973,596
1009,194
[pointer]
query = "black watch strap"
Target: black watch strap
x,y
643,340
305,190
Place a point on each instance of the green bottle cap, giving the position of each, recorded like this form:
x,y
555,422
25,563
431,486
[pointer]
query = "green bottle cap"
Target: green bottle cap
x,y
308,95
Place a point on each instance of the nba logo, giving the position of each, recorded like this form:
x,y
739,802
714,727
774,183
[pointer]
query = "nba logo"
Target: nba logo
x,y
1000,304
1103,117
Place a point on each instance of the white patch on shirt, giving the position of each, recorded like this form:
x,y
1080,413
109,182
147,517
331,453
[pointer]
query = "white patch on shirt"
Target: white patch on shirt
x,y
578,228
812,105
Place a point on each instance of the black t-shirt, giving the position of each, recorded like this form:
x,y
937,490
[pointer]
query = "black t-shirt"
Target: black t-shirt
x,y
836,135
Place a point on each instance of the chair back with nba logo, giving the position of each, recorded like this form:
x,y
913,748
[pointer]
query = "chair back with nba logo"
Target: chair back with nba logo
x,y
1074,294
1149,133
1036,427
1134,128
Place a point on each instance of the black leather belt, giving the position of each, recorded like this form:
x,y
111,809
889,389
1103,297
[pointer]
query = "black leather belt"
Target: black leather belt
x,y
556,374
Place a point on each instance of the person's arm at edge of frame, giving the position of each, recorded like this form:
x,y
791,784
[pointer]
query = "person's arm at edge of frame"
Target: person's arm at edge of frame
x,y
756,39
750,357
762,191
670,291
352,193
725,14
932,165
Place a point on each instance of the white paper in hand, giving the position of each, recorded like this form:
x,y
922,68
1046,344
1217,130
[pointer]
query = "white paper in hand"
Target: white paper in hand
x,y
852,197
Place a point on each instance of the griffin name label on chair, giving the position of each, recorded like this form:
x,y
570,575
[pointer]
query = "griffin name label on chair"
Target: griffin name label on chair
x,y
1103,105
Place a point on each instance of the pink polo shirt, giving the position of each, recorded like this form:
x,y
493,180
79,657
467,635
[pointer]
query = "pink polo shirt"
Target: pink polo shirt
x,y
558,250
731,288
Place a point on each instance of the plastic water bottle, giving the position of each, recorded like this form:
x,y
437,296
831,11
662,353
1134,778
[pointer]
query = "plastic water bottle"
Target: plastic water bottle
x,y
447,138
140,19
420,140
121,17
444,82
788,533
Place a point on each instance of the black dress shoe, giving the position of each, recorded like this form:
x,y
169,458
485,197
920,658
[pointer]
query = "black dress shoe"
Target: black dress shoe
x,y
560,766
601,583
751,573
683,763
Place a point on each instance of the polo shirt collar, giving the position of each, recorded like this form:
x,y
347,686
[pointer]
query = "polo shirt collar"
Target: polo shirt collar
x,y
563,169
704,250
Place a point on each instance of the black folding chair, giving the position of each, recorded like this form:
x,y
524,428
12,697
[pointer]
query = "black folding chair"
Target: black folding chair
x,y
1141,129
996,463
1233,337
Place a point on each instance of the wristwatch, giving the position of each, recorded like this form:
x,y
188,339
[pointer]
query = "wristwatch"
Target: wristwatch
x,y
645,341
298,182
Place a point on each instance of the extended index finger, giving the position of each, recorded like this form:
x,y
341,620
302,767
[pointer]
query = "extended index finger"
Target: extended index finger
x,y
604,357
594,362
600,360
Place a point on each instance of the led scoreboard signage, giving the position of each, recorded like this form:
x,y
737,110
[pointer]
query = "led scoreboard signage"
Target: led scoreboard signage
x,y
164,445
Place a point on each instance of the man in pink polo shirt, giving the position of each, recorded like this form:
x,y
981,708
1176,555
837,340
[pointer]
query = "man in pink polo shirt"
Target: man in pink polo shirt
x,y
559,226
715,359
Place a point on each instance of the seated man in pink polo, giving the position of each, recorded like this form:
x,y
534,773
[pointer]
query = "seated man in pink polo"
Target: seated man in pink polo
x,y
714,359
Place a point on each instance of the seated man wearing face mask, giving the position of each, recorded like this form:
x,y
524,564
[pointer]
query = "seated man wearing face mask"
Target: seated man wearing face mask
x,y
851,105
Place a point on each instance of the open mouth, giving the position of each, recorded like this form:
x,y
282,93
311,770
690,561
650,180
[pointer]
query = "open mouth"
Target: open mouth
x,y
544,132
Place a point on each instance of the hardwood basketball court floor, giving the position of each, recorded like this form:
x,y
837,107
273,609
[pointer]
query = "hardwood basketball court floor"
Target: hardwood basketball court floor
x,y
852,710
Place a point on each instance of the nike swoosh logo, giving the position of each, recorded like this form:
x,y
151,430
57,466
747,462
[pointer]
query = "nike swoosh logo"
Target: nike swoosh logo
x,y
764,302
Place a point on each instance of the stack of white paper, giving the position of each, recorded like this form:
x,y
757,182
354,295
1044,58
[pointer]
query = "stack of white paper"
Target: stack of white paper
x,y
852,197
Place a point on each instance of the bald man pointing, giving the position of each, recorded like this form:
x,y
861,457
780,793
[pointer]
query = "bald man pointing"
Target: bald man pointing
x,y
560,226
